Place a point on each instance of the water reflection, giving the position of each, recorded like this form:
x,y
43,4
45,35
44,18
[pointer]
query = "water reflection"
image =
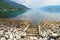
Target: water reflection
x,y
37,15
10,14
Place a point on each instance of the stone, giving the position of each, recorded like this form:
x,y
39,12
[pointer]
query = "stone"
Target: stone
x,y
1,32
2,38
52,39
11,36
10,39
54,35
6,35
33,38
44,38
23,34
40,38
15,39
44,34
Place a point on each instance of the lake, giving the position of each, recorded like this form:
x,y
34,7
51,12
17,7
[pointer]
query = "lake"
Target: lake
x,y
35,16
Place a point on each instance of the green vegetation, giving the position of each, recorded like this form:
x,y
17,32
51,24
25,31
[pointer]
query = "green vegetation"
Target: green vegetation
x,y
8,11
5,7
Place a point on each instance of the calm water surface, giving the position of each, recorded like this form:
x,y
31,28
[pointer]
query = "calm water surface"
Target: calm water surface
x,y
36,15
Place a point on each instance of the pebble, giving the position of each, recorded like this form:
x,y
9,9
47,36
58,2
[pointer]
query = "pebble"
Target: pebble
x,y
1,32
44,38
53,34
40,38
15,34
44,34
23,34
32,38
50,38
2,38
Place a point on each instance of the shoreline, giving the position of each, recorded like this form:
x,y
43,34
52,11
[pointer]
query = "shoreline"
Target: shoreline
x,y
45,30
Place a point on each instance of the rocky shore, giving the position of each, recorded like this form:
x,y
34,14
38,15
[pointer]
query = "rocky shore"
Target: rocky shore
x,y
20,30
50,30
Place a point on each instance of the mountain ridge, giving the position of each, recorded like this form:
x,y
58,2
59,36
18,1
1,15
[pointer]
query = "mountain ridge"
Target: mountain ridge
x,y
14,4
7,4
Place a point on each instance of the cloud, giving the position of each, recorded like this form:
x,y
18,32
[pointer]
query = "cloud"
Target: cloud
x,y
50,2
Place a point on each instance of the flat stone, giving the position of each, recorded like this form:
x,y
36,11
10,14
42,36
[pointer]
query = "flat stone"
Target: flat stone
x,y
33,38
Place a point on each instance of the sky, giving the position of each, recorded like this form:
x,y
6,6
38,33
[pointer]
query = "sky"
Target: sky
x,y
37,3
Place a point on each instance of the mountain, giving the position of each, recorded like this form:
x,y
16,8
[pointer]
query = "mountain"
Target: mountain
x,y
11,3
10,9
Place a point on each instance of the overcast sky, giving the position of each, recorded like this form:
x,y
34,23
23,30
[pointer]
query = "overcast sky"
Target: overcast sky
x,y
37,3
